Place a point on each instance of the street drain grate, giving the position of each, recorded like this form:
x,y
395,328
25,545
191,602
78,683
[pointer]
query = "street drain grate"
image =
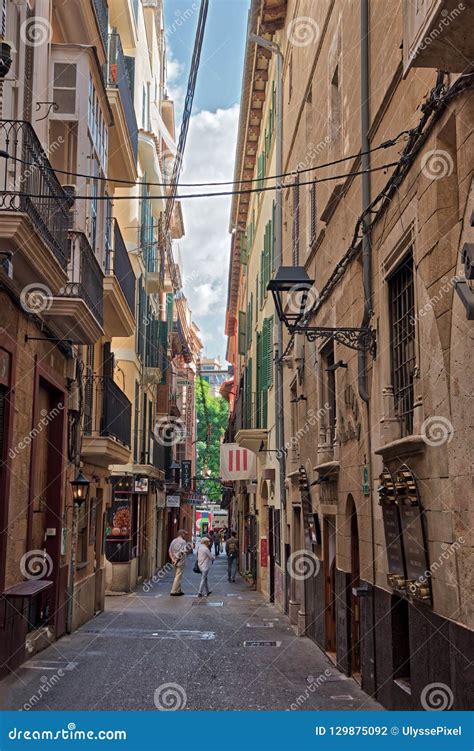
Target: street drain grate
x,y
262,643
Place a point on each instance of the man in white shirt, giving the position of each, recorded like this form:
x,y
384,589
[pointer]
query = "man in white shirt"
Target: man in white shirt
x,y
177,552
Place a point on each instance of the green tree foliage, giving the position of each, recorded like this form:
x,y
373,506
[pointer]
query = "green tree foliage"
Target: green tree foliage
x,y
209,461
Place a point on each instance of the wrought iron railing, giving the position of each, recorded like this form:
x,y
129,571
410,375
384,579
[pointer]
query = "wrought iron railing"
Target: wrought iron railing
x,y
158,454
101,10
107,410
118,77
85,275
29,184
118,264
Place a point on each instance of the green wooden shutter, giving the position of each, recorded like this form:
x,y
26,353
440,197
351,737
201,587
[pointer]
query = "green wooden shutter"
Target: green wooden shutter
x,y
262,278
243,249
169,309
269,327
272,239
242,332
258,396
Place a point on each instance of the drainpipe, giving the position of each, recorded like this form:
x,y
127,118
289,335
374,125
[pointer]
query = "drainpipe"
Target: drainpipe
x,y
366,274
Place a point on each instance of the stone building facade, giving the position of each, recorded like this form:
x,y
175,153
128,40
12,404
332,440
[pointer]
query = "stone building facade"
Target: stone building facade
x,y
379,469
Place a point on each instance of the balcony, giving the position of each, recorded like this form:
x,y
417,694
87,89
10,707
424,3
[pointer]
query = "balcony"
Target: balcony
x,y
119,287
438,34
124,17
123,136
87,25
34,209
107,423
76,313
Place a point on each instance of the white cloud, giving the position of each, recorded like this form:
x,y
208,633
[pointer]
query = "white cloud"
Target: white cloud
x,y
209,156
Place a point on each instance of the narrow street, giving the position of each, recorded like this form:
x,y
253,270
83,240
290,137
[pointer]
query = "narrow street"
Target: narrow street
x,y
126,657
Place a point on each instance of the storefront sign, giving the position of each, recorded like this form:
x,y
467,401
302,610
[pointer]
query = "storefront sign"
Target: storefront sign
x,y
141,485
173,501
186,472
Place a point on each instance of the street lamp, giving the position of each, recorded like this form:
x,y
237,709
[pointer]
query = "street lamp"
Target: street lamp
x,y
80,489
290,289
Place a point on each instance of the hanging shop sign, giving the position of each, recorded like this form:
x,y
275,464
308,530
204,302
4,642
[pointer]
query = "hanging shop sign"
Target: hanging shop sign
x,y
173,501
263,552
184,382
237,463
141,485
186,473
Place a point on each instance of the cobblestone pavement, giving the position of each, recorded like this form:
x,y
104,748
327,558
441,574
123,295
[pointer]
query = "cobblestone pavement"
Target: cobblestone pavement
x,y
150,650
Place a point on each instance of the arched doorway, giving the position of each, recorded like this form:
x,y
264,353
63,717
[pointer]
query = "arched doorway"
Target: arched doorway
x,y
354,583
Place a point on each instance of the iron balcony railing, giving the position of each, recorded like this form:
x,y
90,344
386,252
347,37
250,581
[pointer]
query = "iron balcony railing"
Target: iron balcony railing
x,y
107,411
118,265
101,10
85,275
29,185
158,454
119,78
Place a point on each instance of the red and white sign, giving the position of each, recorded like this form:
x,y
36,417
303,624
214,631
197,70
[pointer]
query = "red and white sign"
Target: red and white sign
x,y
237,463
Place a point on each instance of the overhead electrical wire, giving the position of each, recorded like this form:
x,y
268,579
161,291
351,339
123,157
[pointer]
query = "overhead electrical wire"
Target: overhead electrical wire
x,y
132,183
219,193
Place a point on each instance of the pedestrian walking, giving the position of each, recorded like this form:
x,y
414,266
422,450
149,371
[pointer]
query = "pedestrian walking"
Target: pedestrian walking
x,y
177,552
204,560
217,542
232,551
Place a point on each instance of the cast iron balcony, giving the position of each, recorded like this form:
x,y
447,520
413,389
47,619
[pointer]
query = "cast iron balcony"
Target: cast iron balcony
x,y
124,134
29,186
119,285
101,11
107,422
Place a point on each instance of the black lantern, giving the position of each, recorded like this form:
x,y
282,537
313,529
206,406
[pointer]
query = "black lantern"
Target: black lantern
x,y
80,489
290,290
293,296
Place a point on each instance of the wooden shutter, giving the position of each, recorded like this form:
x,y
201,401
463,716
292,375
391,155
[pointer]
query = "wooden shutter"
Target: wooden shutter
x,y
268,324
313,214
242,332
258,397
262,278
272,237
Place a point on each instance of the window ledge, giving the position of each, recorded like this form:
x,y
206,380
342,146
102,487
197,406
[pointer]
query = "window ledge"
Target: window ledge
x,y
411,444
327,468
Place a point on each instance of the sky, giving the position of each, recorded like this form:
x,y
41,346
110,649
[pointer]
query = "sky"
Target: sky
x,y
210,150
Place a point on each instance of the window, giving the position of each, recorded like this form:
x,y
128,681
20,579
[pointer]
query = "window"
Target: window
x,y
277,535
296,221
64,88
136,425
402,342
290,77
295,447
335,105
312,217
329,385
242,332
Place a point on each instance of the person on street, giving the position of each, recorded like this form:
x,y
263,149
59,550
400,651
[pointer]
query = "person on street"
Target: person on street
x,y
204,559
217,542
232,551
177,552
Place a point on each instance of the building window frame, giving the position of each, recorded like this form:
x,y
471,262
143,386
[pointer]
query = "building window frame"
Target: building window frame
x,y
401,316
